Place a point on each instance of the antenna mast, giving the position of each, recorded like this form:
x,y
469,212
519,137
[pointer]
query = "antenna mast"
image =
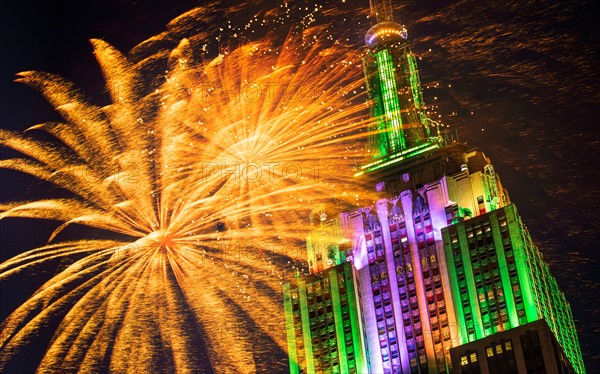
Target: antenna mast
x,y
381,10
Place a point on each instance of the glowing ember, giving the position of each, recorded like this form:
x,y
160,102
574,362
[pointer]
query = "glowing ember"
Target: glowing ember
x,y
201,169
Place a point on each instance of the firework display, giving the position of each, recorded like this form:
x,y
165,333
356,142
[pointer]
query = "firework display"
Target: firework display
x,y
262,188
205,176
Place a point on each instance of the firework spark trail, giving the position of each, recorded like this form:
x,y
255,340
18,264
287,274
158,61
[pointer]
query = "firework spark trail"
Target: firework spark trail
x,y
220,156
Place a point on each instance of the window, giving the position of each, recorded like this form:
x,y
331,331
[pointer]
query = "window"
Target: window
x,y
500,359
532,351
468,361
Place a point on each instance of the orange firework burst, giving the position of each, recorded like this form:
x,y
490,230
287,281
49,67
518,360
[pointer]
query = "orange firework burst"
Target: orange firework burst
x,y
208,159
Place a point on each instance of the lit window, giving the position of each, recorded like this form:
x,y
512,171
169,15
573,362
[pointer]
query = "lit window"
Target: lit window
x,y
498,348
464,361
490,352
473,357
508,346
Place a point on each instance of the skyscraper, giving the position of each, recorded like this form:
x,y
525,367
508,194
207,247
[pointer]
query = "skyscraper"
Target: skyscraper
x,y
500,281
418,293
409,319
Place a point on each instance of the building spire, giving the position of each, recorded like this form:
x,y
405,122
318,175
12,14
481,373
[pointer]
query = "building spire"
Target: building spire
x,y
399,130
381,10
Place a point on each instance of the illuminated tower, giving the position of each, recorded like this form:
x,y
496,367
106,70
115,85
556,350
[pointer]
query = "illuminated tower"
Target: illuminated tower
x,y
441,259
500,281
400,128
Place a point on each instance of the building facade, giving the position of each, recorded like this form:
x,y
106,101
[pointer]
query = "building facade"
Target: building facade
x,y
500,281
323,323
441,259
398,251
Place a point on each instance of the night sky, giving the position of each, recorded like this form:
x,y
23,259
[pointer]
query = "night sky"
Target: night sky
x,y
517,78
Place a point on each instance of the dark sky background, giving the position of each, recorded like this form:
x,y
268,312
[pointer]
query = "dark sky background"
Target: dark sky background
x,y
517,78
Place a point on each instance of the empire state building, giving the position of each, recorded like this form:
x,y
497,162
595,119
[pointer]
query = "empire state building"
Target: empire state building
x,y
440,275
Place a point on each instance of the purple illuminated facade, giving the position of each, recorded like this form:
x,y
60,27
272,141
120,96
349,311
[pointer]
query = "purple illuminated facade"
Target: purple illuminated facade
x,y
398,251
407,319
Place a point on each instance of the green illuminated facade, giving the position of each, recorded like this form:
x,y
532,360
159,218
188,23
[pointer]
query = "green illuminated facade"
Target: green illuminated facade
x,y
392,120
323,324
395,92
499,281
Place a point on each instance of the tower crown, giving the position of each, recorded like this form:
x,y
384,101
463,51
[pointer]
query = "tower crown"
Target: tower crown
x,y
399,130
385,31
